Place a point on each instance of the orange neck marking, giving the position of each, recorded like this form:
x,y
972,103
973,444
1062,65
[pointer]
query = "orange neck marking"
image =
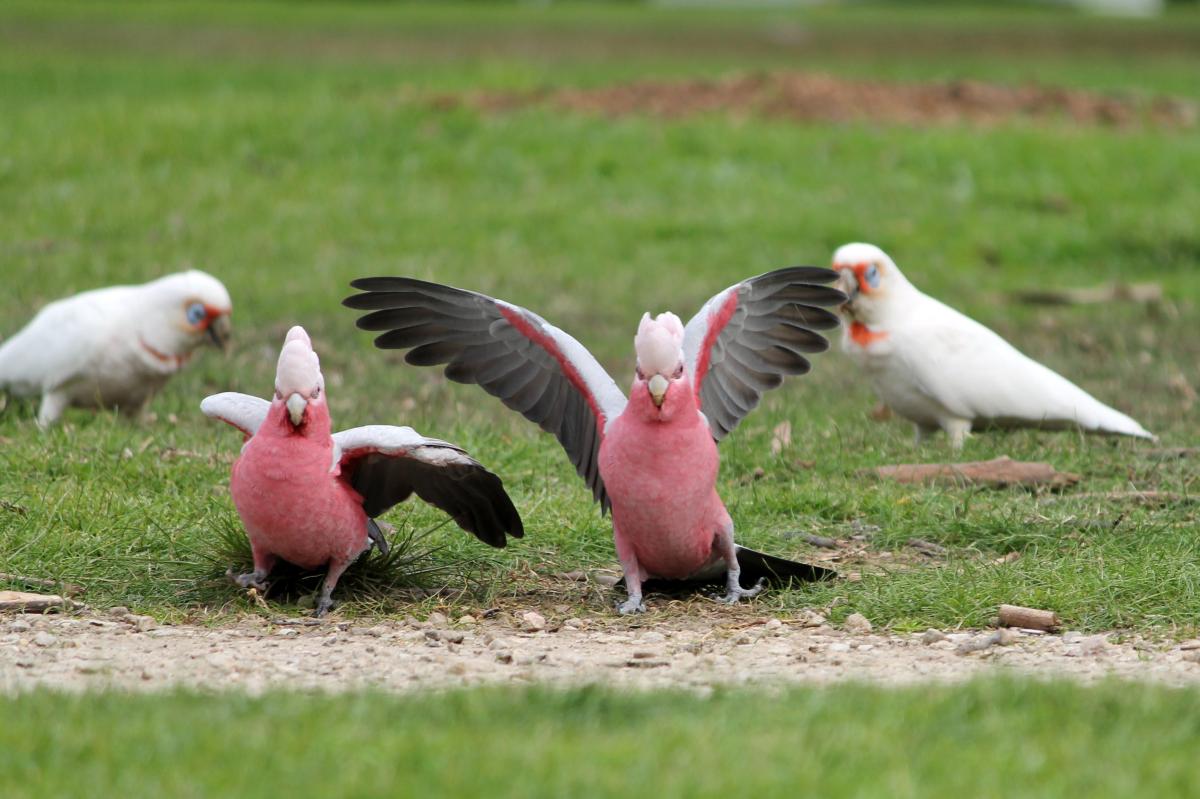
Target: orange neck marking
x,y
176,361
863,336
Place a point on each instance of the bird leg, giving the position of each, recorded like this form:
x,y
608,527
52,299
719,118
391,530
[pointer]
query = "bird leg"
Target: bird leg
x,y
52,407
957,430
723,543
263,563
633,576
325,600
921,432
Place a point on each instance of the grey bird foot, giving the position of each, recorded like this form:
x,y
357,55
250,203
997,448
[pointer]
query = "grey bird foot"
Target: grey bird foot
x,y
324,605
736,592
254,579
632,605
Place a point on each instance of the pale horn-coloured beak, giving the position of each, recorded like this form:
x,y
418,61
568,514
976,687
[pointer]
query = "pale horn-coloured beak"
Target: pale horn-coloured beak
x,y
295,406
848,283
658,386
218,332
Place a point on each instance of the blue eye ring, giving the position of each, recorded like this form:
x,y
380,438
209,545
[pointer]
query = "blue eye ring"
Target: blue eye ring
x,y
872,276
196,313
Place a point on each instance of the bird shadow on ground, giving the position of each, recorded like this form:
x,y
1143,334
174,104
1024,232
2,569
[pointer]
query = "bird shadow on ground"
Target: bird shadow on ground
x,y
414,569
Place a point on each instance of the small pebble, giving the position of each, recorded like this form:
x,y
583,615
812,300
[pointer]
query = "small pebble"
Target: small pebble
x,y
20,626
932,636
575,624
437,618
287,632
810,618
466,620
142,623
533,621
857,623
44,639
118,612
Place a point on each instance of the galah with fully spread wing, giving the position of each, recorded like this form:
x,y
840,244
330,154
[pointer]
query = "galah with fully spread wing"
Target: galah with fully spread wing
x,y
310,496
652,458
940,369
114,347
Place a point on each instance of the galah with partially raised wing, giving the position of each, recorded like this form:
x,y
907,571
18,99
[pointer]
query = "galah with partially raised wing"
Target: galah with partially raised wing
x,y
114,347
311,496
942,370
652,458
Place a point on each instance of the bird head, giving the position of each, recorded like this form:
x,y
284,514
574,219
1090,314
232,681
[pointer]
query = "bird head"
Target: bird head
x,y
868,277
191,308
299,385
659,347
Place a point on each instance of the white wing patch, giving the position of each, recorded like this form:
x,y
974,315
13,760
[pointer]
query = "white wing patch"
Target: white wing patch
x,y
399,442
243,411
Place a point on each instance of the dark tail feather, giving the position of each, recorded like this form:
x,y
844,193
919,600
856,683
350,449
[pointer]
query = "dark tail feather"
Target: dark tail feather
x,y
755,565
777,571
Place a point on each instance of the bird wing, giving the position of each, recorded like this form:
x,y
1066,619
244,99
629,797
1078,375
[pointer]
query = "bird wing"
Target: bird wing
x,y
532,366
977,375
745,339
387,464
243,411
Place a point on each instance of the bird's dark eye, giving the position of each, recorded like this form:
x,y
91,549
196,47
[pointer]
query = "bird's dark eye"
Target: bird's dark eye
x,y
316,392
873,276
640,375
196,313
678,373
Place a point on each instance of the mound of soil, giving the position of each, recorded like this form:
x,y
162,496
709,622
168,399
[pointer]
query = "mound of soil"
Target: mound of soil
x,y
806,97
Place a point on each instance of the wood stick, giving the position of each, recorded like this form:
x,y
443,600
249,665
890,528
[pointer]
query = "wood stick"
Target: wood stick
x,y
21,602
1113,292
1029,618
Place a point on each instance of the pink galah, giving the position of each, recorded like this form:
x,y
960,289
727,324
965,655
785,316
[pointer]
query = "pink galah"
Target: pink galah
x,y
310,496
652,458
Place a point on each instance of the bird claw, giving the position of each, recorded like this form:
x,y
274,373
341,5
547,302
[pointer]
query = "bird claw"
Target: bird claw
x,y
324,605
252,580
736,592
632,605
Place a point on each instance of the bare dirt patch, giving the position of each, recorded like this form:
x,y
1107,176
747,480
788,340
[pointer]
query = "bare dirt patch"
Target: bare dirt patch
x,y
257,654
807,97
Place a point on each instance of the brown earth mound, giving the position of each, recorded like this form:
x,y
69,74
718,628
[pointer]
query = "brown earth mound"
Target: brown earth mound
x,y
804,97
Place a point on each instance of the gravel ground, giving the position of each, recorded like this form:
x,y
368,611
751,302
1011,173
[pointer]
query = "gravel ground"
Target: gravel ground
x,y
256,654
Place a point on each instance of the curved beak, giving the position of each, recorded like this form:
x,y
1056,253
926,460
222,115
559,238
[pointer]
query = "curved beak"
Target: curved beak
x,y
658,386
218,331
295,407
848,283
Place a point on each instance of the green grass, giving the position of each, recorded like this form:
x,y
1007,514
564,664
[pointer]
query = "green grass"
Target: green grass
x,y
985,739
287,149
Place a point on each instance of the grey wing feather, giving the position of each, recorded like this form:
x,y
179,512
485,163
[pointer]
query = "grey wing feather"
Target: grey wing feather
x,y
747,338
513,354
